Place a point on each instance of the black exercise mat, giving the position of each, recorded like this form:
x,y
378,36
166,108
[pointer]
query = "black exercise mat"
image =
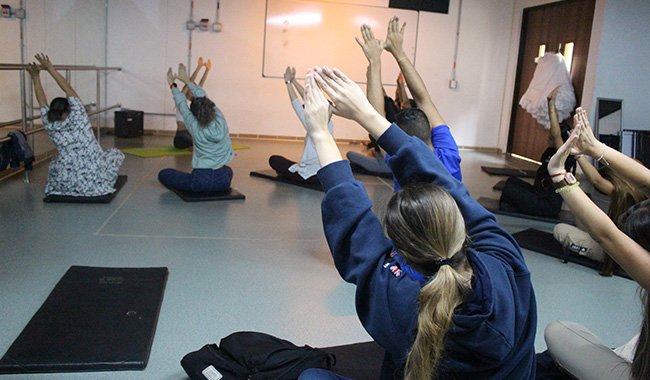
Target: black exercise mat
x,y
545,243
273,176
95,319
360,170
499,186
359,361
492,205
509,172
190,196
119,183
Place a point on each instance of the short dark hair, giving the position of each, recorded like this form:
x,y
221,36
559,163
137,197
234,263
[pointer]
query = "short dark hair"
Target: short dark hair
x,y
204,110
390,109
565,131
58,106
414,122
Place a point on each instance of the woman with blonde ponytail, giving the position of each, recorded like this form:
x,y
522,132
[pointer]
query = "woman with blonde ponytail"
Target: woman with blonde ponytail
x,y
472,313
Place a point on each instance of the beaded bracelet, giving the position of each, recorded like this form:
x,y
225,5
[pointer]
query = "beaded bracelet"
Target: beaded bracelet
x,y
567,188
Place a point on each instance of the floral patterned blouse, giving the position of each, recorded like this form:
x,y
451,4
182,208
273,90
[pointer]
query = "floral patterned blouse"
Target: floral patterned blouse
x,y
81,168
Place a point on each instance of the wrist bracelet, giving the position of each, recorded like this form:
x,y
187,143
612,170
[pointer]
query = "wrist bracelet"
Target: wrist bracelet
x,y
287,82
602,159
567,188
563,172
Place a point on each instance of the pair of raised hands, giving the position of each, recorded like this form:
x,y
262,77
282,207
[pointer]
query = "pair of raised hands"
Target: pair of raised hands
x,y
182,75
373,47
34,68
347,99
289,74
581,141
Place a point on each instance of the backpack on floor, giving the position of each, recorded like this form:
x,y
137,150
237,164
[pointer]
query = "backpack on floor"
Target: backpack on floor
x,y
255,356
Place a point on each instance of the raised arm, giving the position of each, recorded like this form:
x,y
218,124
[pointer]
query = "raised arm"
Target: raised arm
x,y
34,71
288,79
625,166
400,92
208,67
372,49
394,42
58,78
625,251
594,177
296,84
555,131
317,115
349,101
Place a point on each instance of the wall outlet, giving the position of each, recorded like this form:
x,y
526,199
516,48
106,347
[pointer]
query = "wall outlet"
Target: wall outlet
x,y
216,27
453,84
191,25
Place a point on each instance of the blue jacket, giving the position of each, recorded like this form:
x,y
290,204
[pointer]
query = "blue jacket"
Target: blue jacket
x,y
493,332
445,148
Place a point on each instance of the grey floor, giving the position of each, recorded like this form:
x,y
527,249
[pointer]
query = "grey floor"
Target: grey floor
x,y
261,264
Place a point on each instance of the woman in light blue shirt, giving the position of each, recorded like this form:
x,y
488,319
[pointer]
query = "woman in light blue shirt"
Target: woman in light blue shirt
x,y
212,146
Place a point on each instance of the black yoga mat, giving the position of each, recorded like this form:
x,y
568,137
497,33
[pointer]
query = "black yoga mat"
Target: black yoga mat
x,y
273,176
190,196
360,170
119,183
545,243
95,319
360,361
499,186
509,172
492,205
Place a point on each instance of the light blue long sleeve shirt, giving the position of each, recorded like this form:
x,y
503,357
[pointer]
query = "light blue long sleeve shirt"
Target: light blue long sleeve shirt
x,y
212,146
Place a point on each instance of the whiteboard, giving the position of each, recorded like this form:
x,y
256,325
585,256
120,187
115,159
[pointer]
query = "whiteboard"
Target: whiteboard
x,y
307,33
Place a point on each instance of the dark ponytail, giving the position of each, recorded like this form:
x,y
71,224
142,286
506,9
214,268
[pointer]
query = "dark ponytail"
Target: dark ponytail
x,y
58,107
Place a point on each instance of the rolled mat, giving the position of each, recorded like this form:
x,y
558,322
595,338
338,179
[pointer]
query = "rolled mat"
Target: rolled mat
x,y
95,319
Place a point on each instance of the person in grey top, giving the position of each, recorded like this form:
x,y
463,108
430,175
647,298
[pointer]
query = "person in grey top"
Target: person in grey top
x,y
211,137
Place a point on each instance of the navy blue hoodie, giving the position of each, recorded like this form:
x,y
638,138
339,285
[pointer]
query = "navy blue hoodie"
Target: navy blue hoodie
x,y
493,332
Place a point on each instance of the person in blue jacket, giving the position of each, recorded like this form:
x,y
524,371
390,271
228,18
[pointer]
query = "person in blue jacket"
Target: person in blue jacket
x,y
211,139
424,122
475,316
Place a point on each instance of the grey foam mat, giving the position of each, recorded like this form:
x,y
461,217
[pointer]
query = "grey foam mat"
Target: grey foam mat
x,y
95,319
119,183
492,205
273,176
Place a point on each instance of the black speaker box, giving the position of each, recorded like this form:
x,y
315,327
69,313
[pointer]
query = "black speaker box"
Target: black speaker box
x,y
129,123
437,6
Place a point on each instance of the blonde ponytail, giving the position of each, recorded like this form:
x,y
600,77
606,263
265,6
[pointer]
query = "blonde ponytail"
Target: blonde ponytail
x,y
428,230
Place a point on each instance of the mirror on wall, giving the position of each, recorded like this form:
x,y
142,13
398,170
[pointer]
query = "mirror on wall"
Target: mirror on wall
x,y
609,122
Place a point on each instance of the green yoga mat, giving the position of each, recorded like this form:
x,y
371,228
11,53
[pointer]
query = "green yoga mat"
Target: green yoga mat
x,y
160,151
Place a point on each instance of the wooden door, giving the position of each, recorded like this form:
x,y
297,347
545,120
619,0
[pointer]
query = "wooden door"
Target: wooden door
x,y
553,25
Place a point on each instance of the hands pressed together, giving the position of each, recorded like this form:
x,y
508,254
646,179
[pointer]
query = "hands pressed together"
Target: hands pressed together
x,y
182,75
581,141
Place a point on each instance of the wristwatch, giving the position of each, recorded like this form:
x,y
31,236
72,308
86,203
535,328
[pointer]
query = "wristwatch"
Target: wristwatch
x,y
568,180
